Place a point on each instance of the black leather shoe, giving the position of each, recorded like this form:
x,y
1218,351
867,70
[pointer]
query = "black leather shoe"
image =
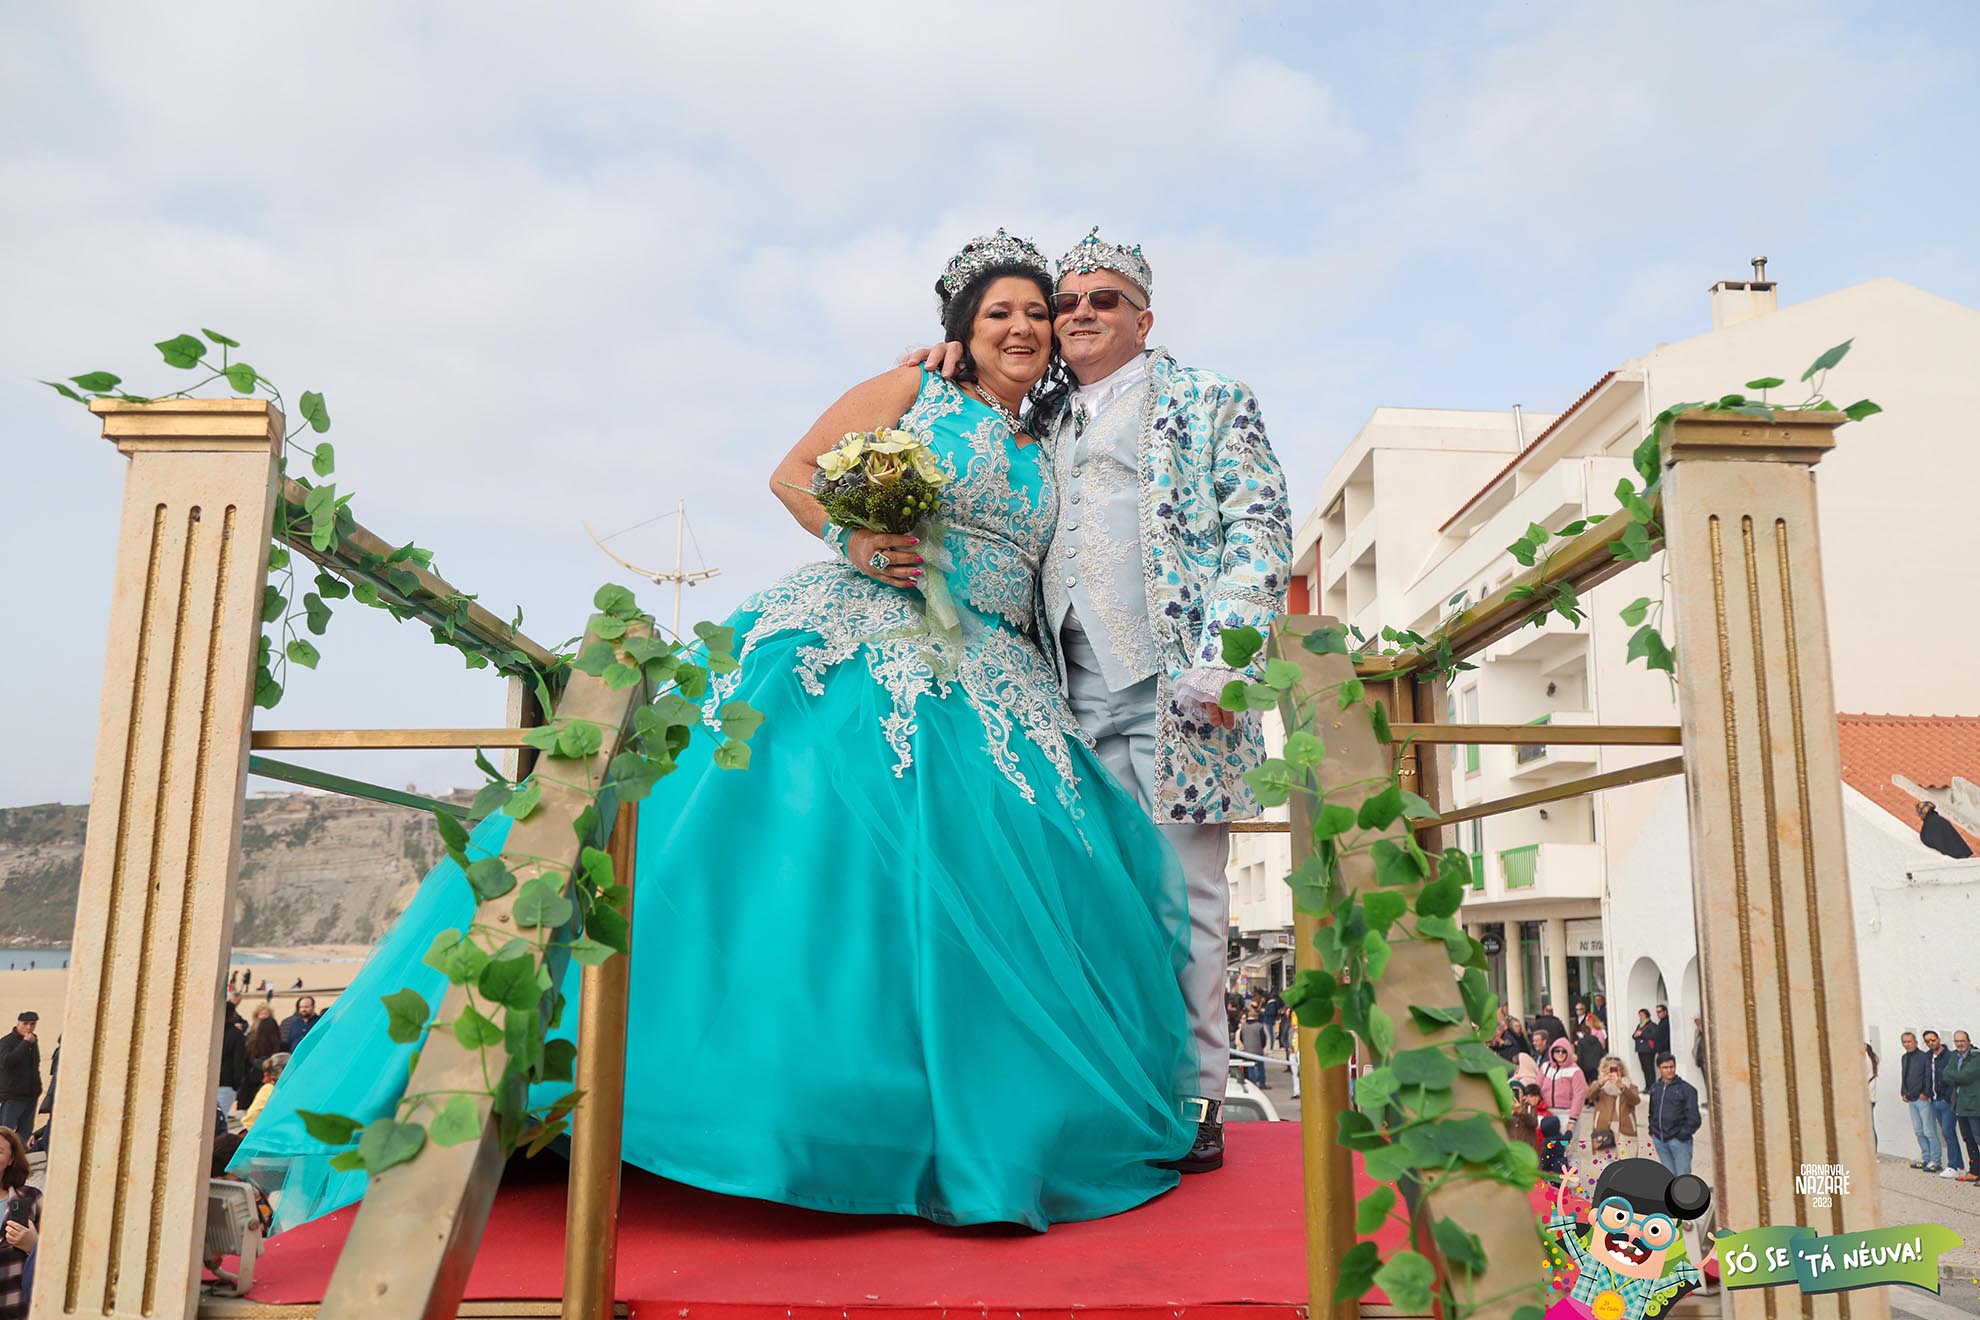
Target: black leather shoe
x,y
1206,1154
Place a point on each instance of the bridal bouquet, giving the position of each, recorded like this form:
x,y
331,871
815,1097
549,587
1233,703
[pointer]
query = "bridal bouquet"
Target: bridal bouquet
x,y
885,481
888,481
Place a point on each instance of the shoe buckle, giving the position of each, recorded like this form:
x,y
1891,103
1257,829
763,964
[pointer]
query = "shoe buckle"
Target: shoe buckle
x,y
1197,1109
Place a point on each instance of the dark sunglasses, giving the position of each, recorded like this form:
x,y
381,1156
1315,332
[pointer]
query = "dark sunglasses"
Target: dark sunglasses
x,y
1103,300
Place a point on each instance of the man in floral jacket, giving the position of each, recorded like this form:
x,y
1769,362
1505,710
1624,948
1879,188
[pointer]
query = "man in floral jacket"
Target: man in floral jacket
x,y
1173,526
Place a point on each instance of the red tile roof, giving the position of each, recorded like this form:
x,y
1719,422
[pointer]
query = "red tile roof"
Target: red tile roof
x,y
1926,749
1520,457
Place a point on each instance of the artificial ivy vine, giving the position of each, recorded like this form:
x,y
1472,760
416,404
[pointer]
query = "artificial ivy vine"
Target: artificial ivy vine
x,y
511,999
1405,1121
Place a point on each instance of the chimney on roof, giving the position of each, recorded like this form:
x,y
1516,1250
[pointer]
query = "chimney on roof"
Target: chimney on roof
x,y
1734,301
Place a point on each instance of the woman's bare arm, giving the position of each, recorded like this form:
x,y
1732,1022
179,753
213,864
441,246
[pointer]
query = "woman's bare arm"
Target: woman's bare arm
x,y
867,406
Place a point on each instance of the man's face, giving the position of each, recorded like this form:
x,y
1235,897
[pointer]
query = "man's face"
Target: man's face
x,y
25,1030
1668,1070
1909,1041
306,1006
1962,1042
1096,344
1923,809
1932,1041
1662,1012
1540,1043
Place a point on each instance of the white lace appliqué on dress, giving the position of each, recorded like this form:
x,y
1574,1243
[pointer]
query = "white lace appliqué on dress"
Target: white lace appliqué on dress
x,y
998,512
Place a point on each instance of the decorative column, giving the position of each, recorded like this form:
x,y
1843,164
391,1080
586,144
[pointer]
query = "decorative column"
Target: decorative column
x,y
1777,948
1556,928
125,1213
1514,953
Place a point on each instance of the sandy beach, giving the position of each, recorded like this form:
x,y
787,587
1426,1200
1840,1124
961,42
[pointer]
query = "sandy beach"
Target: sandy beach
x,y
324,970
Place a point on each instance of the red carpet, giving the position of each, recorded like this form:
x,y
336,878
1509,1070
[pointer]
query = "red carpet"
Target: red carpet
x,y
1229,1244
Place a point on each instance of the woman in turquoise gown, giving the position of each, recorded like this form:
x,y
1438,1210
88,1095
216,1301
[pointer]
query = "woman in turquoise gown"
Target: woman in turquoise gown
x,y
921,957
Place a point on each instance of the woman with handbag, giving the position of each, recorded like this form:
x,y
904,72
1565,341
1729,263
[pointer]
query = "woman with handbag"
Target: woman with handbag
x,y
1614,1099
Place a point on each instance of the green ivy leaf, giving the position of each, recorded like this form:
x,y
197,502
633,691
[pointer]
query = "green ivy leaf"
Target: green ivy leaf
x,y
609,927
1330,640
1383,907
1431,1020
272,602
1333,1046
489,878
510,982
1376,951
1409,1281
716,638
489,799
64,390
732,756
1272,783
1440,898
1524,551
559,1060
596,658
1861,409
1636,611
1378,715
267,691
1828,359
615,599
473,1030
691,681
542,902
543,738
1354,1130
1309,993
1282,675
1387,1163
1357,1271
1415,807
524,801
316,614
1395,865
330,1129
458,1121
452,833
330,586
1381,1032
1427,1066
1634,544
1647,645
406,1012
324,460
1333,820
1765,383
241,376
97,381
220,339
619,677
1373,1210
1304,751
184,352
608,626
633,776
1381,811
456,956
590,952
1240,645
578,739
387,1142
303,653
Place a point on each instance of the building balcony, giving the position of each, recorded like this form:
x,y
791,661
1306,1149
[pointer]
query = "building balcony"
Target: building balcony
x,y
1550,644
1549,871
1534,760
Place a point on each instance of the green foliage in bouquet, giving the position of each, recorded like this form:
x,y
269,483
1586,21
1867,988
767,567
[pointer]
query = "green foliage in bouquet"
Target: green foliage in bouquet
x,y
884,481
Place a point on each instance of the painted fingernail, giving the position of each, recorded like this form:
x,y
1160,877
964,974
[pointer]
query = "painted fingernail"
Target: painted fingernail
x,y
914,540
916,575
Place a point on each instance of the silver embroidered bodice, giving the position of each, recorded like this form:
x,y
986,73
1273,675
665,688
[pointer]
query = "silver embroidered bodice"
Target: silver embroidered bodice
x,y
997,512
1096,569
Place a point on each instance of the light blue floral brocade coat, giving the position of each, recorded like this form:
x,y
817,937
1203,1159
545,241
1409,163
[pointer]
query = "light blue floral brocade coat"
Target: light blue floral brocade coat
x,y
1216,541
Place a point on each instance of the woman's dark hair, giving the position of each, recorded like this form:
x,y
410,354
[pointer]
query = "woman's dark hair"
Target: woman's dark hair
x,y
959,315
16,1172
265,1039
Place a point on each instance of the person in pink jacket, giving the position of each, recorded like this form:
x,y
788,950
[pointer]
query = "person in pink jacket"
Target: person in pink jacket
x,y
1562,1084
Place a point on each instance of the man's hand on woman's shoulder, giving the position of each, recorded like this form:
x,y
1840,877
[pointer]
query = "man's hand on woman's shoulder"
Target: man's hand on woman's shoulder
x,y
944,359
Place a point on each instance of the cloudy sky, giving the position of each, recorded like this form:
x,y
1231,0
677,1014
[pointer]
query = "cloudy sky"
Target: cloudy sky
x,y
552,263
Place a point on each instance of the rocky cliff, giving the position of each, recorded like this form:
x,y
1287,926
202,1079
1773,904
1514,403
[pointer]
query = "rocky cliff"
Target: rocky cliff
x,y
315,869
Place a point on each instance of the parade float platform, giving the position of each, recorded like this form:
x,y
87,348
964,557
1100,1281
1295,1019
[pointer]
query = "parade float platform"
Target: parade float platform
x,y
1220,1246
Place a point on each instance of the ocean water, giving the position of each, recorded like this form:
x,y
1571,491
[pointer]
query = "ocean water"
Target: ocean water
x,y
24,960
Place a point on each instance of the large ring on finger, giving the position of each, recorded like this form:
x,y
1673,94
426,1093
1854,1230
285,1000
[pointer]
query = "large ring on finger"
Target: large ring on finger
x,y
880,562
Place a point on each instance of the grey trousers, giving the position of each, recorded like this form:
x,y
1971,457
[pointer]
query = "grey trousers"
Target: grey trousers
x,y
1122,726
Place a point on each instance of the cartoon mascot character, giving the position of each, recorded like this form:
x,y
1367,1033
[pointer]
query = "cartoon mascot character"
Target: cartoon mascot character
x,y
1638,1208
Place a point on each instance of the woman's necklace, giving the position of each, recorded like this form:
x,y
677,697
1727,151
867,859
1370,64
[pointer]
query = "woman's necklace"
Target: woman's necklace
x,y
989,400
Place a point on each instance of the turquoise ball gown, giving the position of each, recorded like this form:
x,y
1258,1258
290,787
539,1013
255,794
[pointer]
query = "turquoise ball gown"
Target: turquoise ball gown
x,y
919,958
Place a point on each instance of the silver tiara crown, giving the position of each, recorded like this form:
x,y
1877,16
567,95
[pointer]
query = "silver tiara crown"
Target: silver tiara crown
x,y
987,250
1096,253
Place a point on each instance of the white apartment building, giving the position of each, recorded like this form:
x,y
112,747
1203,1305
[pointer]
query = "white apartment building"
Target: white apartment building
x,y
1594,893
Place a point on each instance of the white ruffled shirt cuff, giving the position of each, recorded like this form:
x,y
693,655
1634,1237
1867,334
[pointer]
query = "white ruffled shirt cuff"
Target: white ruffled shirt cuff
x,y
1204,685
